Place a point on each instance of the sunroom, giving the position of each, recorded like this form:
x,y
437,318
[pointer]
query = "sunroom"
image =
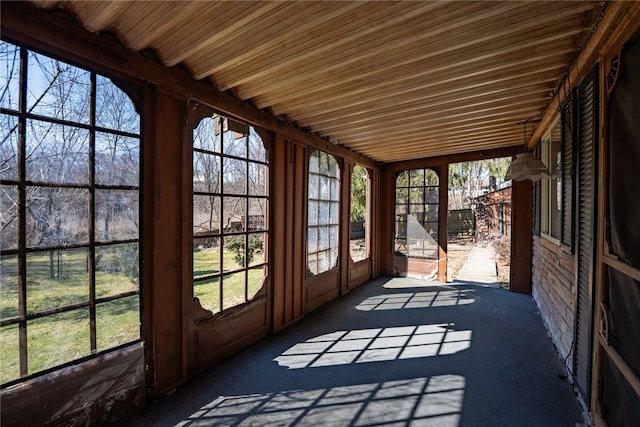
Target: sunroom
x,y
178,180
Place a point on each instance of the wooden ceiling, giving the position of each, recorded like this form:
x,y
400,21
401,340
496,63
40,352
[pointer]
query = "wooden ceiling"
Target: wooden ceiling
x,y
390,80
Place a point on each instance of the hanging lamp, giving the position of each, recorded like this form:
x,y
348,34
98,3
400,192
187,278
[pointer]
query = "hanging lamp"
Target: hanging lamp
x,y
526,165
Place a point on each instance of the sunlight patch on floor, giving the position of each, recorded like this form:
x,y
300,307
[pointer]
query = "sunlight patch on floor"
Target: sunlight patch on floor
x,y
398,301
425,401
376,345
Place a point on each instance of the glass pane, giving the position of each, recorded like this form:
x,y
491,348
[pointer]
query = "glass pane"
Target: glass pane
x,y
9,75
9,353
403,179
116,215
206,256
314,162
8,217
57,339
358,205
312,215
312,240
432,229
257,215
358,214
324,188
233,256
117,322
233,213
114,109
334,213
324,209
208,294
402,195
206,172
323,261
431,215
417,211
257,179
234,176
57,89
416,194
431,177
333,258
206,136
357,249
402,209
334,169
256,253
312,264
8,147
57,278
256,283
8,287
117,159
416,178
117,269
206,214
233,290
335,189
57,153
323,238
234,144
314,190
555,188
256,146
431,195
333,236
57,216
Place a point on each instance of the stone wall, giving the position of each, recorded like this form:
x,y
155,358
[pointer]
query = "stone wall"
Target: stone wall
x,y
554,291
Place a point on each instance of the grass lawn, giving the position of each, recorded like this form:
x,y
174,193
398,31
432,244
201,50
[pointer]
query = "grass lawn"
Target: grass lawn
x,y
61,278
206,262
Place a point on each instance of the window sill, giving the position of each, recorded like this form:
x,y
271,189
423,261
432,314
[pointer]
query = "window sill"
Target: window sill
x,y
554,244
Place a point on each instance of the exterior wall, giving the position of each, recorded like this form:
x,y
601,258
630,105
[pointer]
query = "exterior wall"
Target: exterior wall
x,y
554,291
488,213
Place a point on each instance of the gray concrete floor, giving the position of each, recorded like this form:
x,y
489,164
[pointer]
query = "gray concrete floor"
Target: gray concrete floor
x,y
393,352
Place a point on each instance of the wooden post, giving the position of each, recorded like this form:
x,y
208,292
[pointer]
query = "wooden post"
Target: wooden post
x,y
443,209
521,236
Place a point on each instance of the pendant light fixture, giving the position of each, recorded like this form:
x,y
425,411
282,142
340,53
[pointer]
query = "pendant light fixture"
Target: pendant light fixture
x,y
526,165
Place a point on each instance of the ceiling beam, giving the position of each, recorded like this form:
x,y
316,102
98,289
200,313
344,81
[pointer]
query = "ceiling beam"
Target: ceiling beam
x,y
452,158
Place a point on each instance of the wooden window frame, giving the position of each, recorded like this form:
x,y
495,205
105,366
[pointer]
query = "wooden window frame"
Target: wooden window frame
x,y
407,203
92,245
245,230
367,216
313,223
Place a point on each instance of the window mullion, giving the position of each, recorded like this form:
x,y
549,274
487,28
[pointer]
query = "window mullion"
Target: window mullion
x,y
91,222
221,221
245,222
22,215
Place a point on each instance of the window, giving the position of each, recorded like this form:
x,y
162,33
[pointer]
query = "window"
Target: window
x,y
551,189
359,227
417,198
69,170
323,212
229,213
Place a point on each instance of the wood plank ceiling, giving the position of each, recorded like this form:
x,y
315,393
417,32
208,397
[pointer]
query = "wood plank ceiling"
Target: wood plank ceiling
x,y
391,80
